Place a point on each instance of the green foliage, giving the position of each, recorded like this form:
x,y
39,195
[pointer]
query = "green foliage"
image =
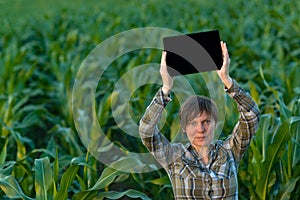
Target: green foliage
x,y
43,178
42,47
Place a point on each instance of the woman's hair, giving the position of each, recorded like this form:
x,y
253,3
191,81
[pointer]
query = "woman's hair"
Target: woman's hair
x,y
195,105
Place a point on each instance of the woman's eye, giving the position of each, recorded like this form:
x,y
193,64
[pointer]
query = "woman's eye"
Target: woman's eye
x,y
207,121
194,123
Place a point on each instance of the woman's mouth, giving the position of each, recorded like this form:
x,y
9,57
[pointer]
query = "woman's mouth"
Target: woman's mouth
x,y
202,138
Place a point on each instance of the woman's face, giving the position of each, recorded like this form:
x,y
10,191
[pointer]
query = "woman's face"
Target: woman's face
x,y
200,131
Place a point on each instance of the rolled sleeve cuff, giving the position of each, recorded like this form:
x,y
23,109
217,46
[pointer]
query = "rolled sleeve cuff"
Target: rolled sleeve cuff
x,y
161,98
235,87
241,97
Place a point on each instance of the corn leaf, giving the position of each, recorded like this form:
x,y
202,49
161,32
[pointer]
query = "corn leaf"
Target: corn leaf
x,y
275,151
11,188
7,167
43,179
66,181
161,181
3,151
109,175
132,194
287,189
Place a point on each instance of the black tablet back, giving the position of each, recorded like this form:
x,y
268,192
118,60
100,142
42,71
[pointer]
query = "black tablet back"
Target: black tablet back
x,y
193,53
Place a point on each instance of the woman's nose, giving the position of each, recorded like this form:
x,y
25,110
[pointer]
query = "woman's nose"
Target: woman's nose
x,y
201,128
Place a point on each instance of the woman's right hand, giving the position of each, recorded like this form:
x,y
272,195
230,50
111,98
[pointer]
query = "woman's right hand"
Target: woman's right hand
x,y
166,78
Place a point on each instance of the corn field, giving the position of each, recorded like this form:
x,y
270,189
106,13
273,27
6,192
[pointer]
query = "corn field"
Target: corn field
x,y
43,154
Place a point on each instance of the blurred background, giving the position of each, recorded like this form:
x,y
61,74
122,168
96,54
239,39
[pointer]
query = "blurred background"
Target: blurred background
x,y
43,43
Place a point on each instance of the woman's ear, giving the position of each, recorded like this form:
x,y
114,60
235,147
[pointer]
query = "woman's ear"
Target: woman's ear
x,y
183,130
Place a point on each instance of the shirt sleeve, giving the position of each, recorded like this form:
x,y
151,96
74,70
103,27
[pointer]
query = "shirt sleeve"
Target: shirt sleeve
x,y
248,121
156,143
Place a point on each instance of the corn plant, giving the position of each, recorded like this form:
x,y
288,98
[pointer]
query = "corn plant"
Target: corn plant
x,y
42,47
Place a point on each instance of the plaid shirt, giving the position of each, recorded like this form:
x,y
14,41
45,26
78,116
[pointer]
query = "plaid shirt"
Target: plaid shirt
x,y
190,177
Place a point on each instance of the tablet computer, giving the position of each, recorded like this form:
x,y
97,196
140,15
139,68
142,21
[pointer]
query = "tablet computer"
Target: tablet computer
x,y
193,53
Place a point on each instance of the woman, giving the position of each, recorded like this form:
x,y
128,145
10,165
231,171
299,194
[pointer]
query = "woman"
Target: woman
x,y
201,169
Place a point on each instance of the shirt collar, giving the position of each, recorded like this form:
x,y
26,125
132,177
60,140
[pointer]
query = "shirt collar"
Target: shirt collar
x,y
191,156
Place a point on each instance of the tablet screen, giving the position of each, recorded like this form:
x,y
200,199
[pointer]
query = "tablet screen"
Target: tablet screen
x,y
193,53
